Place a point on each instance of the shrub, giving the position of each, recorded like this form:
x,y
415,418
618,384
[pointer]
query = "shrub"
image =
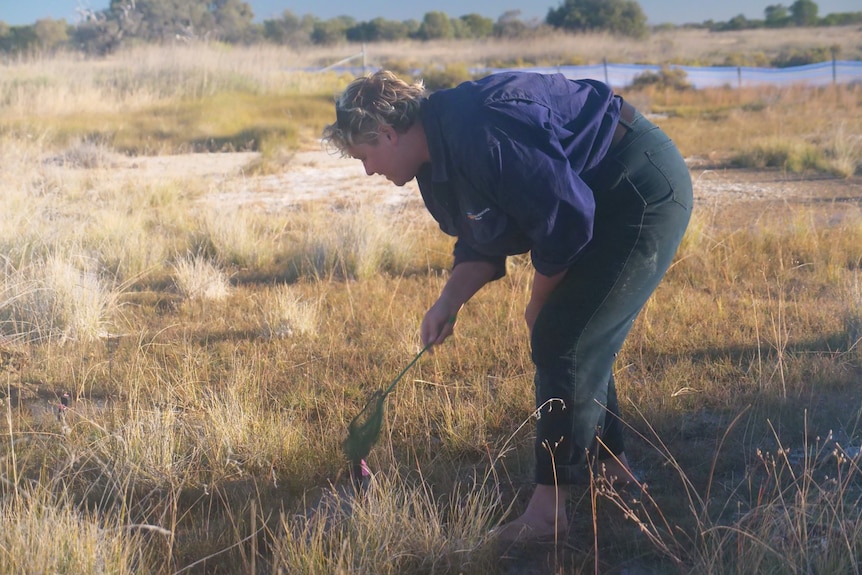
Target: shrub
x,y
774,153
447,76
753,59
800,57
665,77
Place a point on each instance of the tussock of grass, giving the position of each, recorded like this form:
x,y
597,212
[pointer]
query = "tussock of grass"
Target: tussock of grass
x,y
237,238
149,448
286,314
50,534
360,243
198,278
52,299
843,148
245,434
400,527
795,157
225,434
85,154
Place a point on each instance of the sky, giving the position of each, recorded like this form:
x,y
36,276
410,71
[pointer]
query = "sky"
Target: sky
x,y
20,12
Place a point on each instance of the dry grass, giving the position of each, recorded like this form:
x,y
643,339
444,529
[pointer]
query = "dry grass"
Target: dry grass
x,y
56,299
214,357
286,314
693,47
797,129
198,278
48,533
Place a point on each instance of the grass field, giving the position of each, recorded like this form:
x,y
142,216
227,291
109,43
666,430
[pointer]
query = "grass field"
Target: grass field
x,y
214,353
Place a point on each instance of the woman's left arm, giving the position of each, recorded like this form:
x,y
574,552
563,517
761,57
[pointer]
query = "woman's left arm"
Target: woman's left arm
x,y
542,287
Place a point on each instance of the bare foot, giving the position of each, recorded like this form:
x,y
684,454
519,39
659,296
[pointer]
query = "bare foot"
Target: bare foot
x,y
544,519
522,530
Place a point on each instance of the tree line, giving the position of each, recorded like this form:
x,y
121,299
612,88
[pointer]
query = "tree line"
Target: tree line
x,y
800,13
127,22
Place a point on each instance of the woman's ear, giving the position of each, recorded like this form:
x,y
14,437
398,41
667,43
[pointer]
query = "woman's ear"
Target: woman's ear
x,y
388,133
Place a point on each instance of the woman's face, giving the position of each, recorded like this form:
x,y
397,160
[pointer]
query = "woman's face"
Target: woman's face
x,y
391,156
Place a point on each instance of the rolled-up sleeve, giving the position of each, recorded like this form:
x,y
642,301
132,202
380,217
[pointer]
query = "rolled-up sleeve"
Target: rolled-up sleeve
x,y
464,253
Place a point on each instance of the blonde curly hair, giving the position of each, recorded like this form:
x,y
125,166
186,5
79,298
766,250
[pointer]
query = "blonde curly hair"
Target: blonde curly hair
x,y
381,98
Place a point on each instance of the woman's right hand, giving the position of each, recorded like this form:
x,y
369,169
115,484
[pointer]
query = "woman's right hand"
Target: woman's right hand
x,y
438,324
464,281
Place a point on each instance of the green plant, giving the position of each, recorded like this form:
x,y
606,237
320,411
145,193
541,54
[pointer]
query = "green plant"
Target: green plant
x,y
664,78
792,156
448,76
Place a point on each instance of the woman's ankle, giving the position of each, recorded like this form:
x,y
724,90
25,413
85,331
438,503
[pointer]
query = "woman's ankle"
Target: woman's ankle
x,y
548,503
615,469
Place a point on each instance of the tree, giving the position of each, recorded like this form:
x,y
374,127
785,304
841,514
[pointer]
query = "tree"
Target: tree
x,y
412,27
842,19
51,34
477,26
436,26
776,16
804,13
332,31
232,20
6,38
377,30
618,16
289,30
19,39
162,20
99,33
159,20
738,22
510,25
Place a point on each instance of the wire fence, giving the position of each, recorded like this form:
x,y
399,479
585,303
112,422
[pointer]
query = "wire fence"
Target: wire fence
x,y
623,75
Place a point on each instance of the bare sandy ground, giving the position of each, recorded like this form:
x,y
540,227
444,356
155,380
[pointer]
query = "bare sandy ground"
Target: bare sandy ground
x,y
310,176
317,176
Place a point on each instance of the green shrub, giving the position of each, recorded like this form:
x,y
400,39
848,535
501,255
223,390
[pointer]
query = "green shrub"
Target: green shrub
x,y
752,59
802,56
793,156
402,68
447,76
666,77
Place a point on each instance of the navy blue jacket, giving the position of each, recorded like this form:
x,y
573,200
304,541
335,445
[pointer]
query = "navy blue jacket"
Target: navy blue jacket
x,y
509,155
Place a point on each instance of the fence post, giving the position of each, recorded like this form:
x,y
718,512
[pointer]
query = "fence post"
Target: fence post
x,y
739,77
605,64
834,50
